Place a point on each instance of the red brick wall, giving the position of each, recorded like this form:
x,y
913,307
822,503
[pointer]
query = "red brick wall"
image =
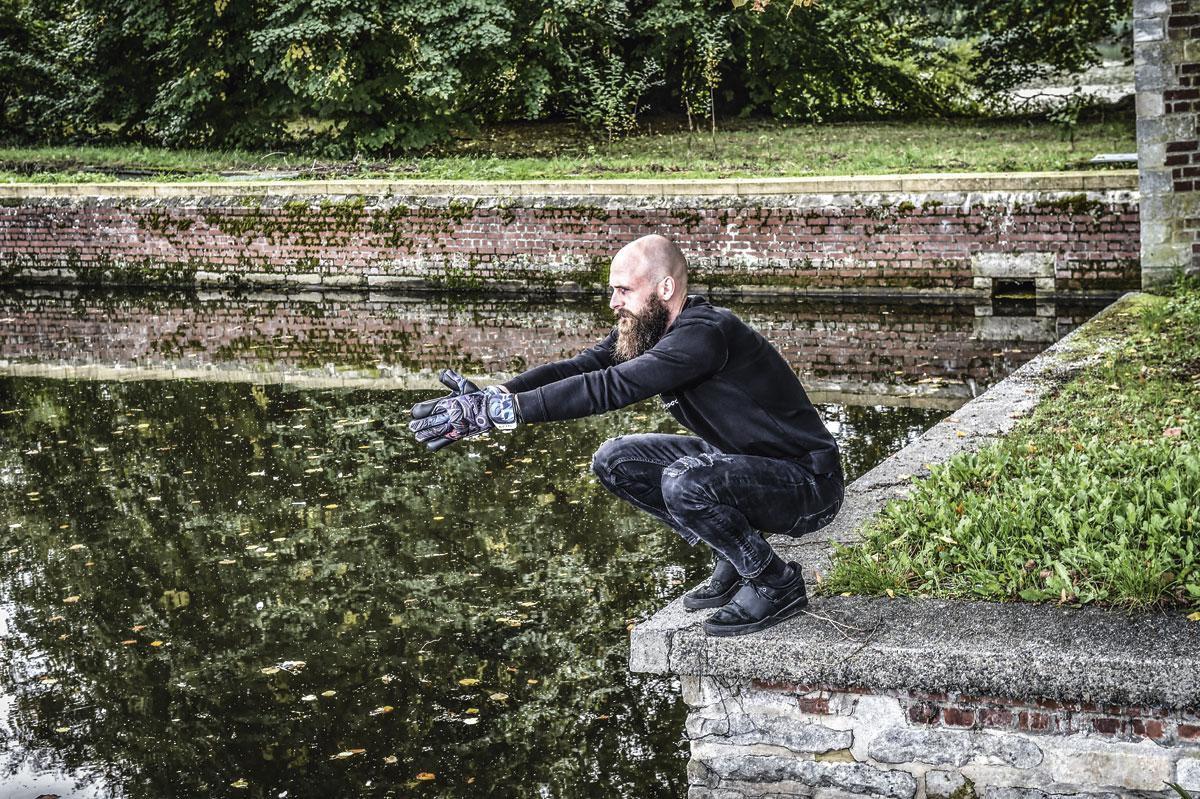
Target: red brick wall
x,y
840,246
962,711
1183,155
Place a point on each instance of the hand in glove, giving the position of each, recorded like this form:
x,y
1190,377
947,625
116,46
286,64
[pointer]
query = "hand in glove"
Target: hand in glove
x,y
465,412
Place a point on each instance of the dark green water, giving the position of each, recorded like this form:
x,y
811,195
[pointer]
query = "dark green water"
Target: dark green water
x,y
170,546
214,588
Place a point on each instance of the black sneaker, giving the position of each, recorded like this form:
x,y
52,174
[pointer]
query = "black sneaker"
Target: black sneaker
x,y
757,606
720,588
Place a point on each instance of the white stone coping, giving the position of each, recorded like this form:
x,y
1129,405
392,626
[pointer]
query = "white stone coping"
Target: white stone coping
x,y
1106,180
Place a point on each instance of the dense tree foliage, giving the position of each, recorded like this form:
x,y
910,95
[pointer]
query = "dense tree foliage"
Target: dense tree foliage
x,y
348,77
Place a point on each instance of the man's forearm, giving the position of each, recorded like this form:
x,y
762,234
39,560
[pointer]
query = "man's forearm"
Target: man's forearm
x,y
590,360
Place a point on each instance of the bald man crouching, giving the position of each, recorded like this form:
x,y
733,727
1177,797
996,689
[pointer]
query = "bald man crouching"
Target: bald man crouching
x,y
760,462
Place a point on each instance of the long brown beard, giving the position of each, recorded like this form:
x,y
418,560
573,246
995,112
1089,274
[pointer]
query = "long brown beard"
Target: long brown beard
x,y
636,334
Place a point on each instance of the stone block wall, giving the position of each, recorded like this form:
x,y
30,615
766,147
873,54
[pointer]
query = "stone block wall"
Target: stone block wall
x,y
1060,233
1167,79
757,738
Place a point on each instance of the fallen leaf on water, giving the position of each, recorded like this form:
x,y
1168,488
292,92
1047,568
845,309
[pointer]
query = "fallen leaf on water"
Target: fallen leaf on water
x,y
58,618
498,697
349,753
391,760
226,562
1194,616
129,642
71,600
425,775
309,698
531,682
472,710
156,643
269,669
472,720
468,681
328,694
239,784
379,711
331,506
62,729
75,547
137,628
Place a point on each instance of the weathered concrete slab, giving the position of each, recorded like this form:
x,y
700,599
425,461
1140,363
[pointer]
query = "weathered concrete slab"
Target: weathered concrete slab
x,y
1094,655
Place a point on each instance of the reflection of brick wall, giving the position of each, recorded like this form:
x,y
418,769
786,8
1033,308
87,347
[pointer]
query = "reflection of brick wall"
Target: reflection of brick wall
x,y
851,342
1167,77
848,242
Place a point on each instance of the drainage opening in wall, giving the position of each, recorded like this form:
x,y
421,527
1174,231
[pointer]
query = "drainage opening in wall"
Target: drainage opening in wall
x,y
1014,298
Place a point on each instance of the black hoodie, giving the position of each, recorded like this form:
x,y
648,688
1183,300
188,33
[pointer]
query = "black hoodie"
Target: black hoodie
x,y
717,377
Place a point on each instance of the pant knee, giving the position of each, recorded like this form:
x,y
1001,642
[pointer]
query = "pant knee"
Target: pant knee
x,y
605,456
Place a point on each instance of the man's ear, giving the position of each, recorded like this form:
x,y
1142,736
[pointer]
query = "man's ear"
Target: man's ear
x,y
666,288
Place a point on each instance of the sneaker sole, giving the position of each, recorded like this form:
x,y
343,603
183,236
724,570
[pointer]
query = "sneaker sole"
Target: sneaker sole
x,y
744,629
714,602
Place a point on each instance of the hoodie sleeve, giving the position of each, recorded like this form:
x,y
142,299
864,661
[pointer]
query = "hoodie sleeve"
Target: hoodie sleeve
x,y
688,353
596,357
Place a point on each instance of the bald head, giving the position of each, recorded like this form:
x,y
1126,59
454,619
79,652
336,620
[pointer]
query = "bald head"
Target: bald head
x,y
652,258
650,270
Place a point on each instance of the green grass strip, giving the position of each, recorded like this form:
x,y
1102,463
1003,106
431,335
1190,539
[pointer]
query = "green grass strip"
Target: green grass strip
x,y
562,152
1092,499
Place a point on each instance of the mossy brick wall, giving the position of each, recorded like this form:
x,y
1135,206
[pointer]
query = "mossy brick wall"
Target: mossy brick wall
x,y
753,739
848,242
1167,79
834,343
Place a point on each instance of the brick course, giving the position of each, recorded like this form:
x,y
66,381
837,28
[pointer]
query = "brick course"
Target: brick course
x,y
961,711
831,243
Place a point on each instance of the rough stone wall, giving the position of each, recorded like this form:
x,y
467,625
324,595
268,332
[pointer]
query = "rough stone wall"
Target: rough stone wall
x,y
841,344
939,242
1167,78
753,738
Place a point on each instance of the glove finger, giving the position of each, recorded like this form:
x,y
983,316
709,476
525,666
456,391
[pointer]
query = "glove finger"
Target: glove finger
x,y
443,431
438,443
423,409
437,420
456,382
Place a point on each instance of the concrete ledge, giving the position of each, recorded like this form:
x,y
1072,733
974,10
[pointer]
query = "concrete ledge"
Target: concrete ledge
x,y
1093,654
1124,179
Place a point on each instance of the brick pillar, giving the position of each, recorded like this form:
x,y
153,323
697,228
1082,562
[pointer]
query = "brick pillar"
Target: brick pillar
x,y
1166,47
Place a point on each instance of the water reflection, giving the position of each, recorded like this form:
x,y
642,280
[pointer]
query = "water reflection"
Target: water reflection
x,y
923,353
249,589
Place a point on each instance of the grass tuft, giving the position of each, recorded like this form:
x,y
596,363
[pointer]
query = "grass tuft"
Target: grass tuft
x,y
1093,499
549,151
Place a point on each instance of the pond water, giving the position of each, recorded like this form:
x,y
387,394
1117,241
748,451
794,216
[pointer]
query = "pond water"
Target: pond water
x,y
245,581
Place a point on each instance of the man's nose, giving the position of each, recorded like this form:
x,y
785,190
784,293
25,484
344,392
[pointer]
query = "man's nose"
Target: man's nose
x,y
613,302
